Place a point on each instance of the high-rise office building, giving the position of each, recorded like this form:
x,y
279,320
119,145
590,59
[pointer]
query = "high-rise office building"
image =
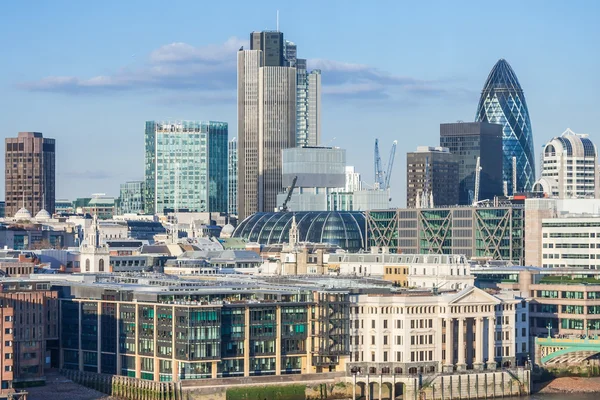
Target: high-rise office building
x,y
266,125
232,186
131,197
186,166
431,177
308,100
503,102
467,141
569,168
29,173
272,46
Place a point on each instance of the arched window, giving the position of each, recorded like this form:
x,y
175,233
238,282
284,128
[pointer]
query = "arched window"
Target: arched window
x,y
101,265
87,265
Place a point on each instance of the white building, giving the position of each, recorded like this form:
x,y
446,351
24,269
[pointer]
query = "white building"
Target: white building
x,y
423,333
569,167
353,182
95,257
572,241
422,270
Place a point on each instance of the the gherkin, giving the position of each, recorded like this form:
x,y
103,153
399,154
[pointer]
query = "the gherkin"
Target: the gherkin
x,y
503,102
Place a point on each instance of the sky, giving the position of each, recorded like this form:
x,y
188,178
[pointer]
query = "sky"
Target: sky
x,y
89,74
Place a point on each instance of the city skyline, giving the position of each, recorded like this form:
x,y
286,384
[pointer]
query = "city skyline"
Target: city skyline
x,y
365,95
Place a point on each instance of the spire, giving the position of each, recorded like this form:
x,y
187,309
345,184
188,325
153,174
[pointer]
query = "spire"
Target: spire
x,y
293,235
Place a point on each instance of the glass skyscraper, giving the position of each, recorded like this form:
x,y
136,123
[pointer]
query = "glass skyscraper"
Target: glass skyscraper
x,y
503,102
186,166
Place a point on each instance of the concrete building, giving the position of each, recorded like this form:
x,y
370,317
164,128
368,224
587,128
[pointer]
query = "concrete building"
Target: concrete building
x,y
105,207
353,181
488,231
569,167
467,141
431,177
232,177
29,173
321,182
569,224
186,166
266,121
30,331
419,333
131,197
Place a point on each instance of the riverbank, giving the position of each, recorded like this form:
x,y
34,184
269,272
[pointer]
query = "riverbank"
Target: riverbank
x,y
569,385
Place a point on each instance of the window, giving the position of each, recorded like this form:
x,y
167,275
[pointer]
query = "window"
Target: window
x,y
87,265
372,339
385,324
373,324
385,356
101,265
385,340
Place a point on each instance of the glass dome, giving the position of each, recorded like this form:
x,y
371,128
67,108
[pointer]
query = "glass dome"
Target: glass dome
x,y
344,229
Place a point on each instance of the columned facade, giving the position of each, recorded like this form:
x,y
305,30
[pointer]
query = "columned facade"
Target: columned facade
x,y
458,331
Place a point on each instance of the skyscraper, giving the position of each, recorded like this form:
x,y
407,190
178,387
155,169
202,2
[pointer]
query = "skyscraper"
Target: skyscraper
x,y
308,101
272,46
232,186
569,168
266,125
186,166
467,141
503,102
29,173
431,174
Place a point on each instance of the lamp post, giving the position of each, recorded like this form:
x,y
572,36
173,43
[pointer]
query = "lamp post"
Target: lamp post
x,y
354,371
549,327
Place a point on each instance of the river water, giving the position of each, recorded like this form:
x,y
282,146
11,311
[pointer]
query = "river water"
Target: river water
x,y
561,396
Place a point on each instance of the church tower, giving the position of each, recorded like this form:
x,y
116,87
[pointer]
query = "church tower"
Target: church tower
x,y
94,256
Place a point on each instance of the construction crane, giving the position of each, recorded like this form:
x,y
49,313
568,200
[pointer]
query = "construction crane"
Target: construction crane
x,y
388,172
378,169
514,175
382,178
477,179
284,206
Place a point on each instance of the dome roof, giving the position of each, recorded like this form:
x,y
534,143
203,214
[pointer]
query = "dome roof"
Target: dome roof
x,y
345,229
42,215
22,214
227,229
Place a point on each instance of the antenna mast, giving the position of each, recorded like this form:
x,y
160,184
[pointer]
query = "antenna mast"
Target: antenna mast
x,y
277,20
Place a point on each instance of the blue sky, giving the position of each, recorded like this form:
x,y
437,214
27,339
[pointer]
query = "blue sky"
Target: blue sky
x,y
90,73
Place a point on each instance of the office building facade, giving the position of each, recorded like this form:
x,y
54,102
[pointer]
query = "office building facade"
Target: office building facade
x,y
186,166
272,47
503,102
29,173
308,102
266,125
431,177
232,177
494,232
175,336
467,141
569,167
131,197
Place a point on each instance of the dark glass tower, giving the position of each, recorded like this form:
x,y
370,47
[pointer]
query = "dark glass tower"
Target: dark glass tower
x,y
467,141
503,102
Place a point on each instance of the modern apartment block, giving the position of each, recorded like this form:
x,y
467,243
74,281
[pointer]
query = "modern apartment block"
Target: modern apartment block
x,y
186,166
29,173
308,102
232,178
494,232
30,332
431,177
569,168
467,141
131,197
173,335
